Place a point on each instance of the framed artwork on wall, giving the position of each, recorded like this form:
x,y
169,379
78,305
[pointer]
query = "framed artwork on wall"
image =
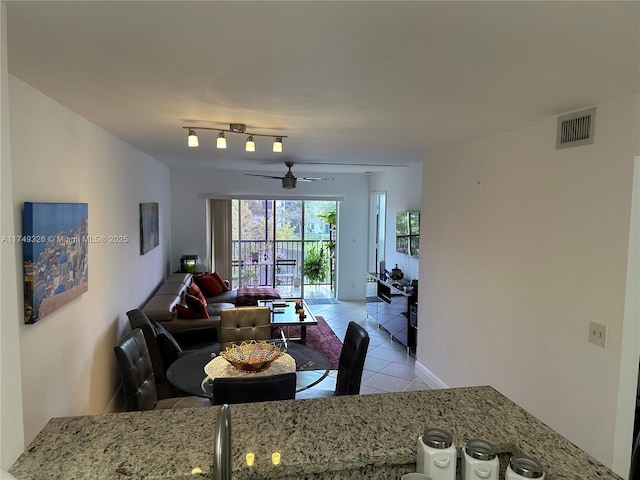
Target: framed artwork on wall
x,y
149,227
55,244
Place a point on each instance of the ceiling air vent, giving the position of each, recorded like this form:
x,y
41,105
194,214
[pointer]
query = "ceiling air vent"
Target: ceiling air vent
x,y
575,129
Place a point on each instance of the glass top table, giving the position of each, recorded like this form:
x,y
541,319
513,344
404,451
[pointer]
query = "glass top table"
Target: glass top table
x,y
284,314
187,373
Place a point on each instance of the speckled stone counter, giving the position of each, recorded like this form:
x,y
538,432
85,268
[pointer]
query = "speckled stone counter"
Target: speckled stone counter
x,y
366,436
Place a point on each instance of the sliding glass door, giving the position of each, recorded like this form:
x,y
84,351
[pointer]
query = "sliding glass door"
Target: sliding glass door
x,y
319,239
285,244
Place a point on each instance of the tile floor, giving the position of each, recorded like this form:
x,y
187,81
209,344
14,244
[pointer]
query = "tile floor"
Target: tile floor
x,y
387,368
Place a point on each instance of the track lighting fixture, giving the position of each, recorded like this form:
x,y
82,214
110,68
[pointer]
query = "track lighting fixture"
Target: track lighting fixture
x,y
221,140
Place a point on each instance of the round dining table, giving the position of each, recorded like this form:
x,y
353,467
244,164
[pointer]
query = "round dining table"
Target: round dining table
x,y
187,372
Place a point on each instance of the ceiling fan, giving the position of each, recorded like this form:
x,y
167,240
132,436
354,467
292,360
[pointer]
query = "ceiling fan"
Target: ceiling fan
x,y
289,180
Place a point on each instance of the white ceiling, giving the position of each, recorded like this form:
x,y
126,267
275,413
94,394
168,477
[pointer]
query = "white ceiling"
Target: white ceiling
x,y
347,82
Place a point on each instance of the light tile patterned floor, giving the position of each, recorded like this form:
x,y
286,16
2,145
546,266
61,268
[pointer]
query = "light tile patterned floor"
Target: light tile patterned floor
x,y
387,368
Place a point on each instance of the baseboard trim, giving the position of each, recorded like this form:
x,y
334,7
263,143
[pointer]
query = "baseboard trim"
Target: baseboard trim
x,y
428,377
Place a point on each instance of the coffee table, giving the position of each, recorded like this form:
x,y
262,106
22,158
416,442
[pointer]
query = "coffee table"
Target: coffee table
x,y
283,314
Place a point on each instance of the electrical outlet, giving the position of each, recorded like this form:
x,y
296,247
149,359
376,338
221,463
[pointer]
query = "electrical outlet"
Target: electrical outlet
x,y
598,334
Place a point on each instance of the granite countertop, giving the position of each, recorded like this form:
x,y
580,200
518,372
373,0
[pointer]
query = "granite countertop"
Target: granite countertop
x,y
364,436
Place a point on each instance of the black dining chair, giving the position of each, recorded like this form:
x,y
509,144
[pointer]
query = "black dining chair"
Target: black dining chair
x,y
634,471
138,381
254,389
163,348
350,365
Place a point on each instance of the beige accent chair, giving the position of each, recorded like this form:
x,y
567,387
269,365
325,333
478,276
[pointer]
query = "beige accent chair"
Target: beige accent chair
x,y
243,324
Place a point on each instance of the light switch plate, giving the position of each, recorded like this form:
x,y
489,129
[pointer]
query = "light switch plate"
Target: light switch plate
x,y
598,334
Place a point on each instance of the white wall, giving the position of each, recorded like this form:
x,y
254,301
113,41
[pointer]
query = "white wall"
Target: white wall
x,y
12,435
403,187
522,246
189,215
630,337
66,359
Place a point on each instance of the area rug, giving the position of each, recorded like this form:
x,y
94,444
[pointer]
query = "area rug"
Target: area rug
x,y
319,337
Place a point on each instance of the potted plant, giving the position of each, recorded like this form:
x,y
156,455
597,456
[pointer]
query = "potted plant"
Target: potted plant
x,y
329,217
331,246
315,265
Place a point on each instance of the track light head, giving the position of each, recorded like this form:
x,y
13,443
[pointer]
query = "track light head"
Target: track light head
x,y
277,145
250,145
221,141
192,139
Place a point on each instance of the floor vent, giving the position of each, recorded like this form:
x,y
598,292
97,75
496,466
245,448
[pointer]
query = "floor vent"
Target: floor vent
x,y
575,129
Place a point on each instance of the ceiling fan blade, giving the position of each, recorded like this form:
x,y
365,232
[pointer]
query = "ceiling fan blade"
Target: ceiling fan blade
x,y
355,164
313,179
263,176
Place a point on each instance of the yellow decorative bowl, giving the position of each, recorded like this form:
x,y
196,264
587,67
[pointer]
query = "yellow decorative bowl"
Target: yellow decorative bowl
x,y
251,356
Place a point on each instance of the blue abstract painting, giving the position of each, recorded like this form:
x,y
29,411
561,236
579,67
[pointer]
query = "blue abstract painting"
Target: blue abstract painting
x,y
149,227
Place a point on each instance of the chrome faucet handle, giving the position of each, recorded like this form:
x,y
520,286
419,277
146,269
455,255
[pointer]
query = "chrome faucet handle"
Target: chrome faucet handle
x,y
221,467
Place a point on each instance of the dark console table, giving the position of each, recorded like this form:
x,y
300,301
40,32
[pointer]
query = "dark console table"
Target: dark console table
x,y
395,309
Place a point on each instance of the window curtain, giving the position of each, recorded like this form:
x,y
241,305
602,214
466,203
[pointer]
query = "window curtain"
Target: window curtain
x,y
220,222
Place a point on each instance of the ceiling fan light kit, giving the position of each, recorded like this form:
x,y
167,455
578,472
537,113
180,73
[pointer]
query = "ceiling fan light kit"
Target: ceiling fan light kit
x,y
241,128
289,182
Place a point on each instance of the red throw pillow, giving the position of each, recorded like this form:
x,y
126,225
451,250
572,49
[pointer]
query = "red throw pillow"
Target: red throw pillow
x,y
220,280
211,284
195,291
191,313
194,302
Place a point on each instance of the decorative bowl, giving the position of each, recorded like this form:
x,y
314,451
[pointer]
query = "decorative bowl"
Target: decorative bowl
x,y
252,356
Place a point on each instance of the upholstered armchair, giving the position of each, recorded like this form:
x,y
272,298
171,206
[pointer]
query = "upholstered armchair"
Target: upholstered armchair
x,y
242,324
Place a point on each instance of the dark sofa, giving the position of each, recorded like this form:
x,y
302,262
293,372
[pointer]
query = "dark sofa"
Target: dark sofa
x,y
161,307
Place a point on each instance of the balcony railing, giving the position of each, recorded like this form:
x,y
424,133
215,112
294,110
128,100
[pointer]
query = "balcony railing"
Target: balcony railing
x,y
267,263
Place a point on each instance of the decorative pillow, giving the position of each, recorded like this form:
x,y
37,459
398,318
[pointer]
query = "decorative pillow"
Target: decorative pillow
x,y
211,284
169,348
195,291
221,282
191,313
194,302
